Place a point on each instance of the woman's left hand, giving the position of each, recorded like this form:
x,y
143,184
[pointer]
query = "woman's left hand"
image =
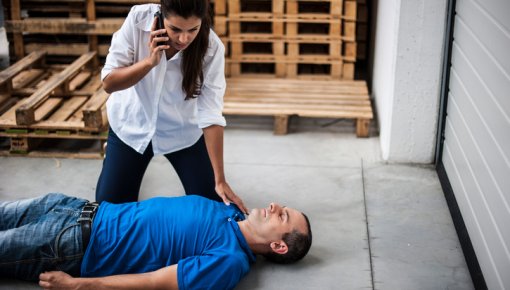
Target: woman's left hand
x,y
228,196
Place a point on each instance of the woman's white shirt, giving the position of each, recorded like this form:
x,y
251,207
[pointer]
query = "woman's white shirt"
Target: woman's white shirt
x,y
155,108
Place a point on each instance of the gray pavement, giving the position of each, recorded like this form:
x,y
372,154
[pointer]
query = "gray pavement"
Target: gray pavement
x,y
375,225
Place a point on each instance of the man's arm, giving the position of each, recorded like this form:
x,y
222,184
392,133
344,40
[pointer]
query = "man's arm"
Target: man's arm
x,y
164,278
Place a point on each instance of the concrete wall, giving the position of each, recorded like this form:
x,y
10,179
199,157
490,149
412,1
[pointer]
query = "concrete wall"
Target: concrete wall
x,y
406,77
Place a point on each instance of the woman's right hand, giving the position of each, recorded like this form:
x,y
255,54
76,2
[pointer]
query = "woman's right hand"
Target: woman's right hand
x,y
156,50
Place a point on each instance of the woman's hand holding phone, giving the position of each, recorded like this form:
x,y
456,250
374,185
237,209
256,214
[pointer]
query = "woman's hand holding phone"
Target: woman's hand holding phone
x,y
158,41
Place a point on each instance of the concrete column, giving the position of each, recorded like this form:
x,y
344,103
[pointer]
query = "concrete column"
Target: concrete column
x,y
409,36
4,44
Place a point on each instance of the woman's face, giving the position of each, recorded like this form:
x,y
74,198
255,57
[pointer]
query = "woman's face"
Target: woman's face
x,y
181,31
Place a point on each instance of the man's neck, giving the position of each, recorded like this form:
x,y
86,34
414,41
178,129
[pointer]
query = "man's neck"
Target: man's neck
x,y
256,246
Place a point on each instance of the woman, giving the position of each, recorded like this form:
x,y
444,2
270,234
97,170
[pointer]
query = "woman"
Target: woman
x,y
165,99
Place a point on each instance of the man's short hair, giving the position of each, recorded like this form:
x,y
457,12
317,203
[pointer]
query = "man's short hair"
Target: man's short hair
x,y
298,246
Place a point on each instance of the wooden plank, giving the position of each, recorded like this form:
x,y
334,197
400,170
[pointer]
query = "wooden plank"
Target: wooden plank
x,y
9,117
93,85
313,93
350,8
6,76
303,101
55,154
18,36
46,108
59,125
79,80
93,39
69,107
25,113
363,110
220,7
6,102
70,49
298,86
304,113
349,31
27,77
106,26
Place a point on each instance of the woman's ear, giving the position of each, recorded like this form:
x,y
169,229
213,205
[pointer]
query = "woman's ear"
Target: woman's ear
x,y
279,247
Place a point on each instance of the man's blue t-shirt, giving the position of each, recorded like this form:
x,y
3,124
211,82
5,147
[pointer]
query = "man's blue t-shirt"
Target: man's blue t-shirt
x,y
200,235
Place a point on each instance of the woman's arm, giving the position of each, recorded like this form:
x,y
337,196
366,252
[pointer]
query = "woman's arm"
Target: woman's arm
x,y
164,278
214,142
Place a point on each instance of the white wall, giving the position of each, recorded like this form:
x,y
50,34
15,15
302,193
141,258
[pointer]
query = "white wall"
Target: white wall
x,y
406,78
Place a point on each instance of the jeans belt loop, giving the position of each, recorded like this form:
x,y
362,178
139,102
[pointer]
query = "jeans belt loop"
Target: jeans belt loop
x,y
86,218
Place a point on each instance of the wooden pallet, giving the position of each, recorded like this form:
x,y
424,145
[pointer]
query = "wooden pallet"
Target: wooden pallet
x,y
40,103
283,98
53,143
46,108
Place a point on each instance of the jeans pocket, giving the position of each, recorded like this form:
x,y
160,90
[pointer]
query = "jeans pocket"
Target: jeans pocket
x,y
69,253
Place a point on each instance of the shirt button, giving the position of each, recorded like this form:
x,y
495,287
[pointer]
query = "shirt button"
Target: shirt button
x,y
229,219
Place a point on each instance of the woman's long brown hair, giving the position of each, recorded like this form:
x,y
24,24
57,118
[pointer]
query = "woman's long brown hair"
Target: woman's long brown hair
x,y
193,55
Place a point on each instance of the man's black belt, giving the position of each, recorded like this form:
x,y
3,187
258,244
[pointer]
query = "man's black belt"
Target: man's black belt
x,y
86,217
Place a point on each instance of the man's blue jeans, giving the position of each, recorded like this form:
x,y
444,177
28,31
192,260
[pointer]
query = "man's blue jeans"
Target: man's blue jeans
x,y
40,234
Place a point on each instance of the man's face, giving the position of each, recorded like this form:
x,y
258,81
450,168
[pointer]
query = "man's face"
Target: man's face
x,y
181,31
272,222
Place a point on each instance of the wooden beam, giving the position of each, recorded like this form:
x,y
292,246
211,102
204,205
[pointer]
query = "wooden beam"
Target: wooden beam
x,y
18,36
362,127
7,75
25,113
92,110
281,124
65,26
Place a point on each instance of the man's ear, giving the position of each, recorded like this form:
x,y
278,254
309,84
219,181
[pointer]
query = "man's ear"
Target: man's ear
x,y
279,247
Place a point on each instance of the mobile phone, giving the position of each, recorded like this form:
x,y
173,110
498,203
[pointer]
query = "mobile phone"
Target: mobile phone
x,y
160,25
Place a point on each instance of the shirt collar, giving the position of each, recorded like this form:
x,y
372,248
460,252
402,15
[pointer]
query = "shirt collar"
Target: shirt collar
x,y
145,23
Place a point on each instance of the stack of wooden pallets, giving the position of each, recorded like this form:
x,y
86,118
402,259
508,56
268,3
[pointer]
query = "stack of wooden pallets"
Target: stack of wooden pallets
x,y
65,27
316,42
52,95
39,102
289,38
301,54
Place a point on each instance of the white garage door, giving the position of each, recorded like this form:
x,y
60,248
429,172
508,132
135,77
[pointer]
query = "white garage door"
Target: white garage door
x,y
476,152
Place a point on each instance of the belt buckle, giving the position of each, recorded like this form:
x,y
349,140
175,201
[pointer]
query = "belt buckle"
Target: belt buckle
x,y
88,211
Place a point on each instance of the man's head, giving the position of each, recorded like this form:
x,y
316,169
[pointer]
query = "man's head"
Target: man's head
x,y
281,234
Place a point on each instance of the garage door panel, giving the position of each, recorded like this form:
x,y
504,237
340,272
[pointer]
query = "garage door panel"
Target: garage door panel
x,y
484,173
476,213
495,80
496,123
487,30
476,148
497,9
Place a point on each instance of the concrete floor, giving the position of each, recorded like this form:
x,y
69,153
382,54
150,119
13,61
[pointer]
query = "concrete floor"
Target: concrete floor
x,y
375,225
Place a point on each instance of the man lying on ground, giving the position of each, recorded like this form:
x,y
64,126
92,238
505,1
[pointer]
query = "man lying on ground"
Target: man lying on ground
x,y
182,243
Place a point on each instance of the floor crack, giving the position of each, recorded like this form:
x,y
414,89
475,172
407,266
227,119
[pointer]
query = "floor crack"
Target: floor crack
x,y
366,223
